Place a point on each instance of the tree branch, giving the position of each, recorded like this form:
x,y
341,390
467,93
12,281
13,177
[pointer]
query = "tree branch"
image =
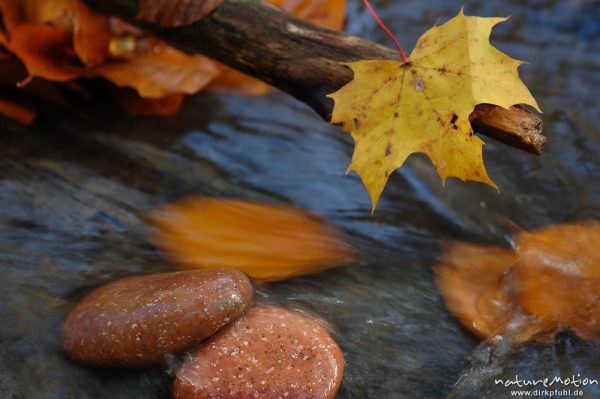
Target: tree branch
x,y
304,60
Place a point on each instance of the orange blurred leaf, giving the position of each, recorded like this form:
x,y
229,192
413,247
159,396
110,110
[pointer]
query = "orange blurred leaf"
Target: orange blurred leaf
x,y
468,276
156,70
551,281
171,13
266,242
91,35
571,249
559,276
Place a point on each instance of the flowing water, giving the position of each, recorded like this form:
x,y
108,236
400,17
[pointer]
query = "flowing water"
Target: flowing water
x,y
74,195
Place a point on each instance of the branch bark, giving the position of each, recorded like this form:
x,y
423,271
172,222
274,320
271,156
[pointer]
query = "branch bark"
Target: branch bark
x,y
304,60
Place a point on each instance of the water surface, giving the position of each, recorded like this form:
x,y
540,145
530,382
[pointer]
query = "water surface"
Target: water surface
x,y
74,195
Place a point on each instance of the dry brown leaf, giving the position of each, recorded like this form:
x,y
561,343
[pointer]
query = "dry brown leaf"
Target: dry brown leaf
x,y
11,16
156,70
58,13
3,33
266,242
327,13
91,35
172,13
39,33
45,51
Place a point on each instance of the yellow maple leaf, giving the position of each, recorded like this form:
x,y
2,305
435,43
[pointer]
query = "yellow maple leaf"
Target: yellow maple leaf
x,y
394,109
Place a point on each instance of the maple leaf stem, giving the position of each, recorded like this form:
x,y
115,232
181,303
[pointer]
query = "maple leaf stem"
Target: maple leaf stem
x,y
385,29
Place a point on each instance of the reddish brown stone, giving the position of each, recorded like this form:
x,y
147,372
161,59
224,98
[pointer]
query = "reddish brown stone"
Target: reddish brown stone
x,y
269,353
136,321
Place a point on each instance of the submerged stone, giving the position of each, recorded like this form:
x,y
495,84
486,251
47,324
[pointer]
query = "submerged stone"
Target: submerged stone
x,y
136,321
270,352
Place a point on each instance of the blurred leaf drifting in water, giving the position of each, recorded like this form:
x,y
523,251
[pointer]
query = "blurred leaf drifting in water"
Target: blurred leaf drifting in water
x,y
551,281
266,242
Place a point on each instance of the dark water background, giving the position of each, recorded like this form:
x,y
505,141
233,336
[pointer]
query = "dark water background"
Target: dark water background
x,y
73,197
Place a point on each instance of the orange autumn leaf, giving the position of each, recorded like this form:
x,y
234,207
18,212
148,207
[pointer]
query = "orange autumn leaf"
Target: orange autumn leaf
x,y
10,12
266,242
327,13
49,46
45,51
58,13
91,35
559,276
43,48
571,249
468,277
62,40
551,281
3,36
156,70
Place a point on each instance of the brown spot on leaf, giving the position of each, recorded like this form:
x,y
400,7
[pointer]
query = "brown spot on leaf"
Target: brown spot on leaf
x,y
388,150
453,121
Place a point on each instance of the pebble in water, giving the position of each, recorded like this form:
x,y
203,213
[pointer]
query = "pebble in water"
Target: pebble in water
x,y
136,321
270,352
